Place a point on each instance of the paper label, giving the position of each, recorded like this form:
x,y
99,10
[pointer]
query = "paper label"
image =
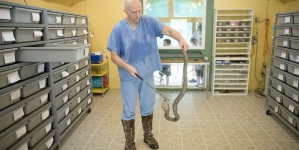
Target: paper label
x,y
76,66
9,58
276,109
78,89
37,34
23,147
88,91
65,99
79,100
287,19
48,128
45,114
83,21
42,83
295,97
286,31
35,17
64,87
58,20
66,111
62,63
296,71
20,132
297,59
77,78
86,73
279,88
41,68
283,55
75,43
64,74
85,42
18,113
72,20
15,95
13,77
7,36
79,111
280,77
278,99
43,98
49,143
74,32
291,120
87,82
86,62
89,101
291,108
285,43
282,66
5,14
85,31
59,33
68,122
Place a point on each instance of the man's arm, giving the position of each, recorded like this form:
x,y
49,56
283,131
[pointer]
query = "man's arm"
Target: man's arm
x,y
119,62
176,35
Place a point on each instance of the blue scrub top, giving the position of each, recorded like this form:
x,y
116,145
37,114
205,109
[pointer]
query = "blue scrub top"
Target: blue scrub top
x,y
137,47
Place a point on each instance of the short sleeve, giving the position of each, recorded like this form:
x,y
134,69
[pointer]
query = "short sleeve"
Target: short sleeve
x,y
114,40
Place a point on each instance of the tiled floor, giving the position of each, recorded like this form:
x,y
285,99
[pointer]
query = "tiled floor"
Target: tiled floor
x,y
207,122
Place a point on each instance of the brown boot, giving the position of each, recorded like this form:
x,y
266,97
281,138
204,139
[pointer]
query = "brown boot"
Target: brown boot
x,y
147,123
129,129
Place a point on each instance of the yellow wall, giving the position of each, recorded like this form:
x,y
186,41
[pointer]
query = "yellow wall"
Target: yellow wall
x,y
292,6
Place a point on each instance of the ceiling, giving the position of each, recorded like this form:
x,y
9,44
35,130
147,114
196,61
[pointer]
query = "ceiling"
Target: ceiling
x,y
64,2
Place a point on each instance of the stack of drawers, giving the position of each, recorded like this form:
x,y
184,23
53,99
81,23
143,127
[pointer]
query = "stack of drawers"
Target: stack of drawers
x,y
283,92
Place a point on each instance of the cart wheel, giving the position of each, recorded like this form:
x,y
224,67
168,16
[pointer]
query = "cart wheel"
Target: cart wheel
x,y
89,110
268,112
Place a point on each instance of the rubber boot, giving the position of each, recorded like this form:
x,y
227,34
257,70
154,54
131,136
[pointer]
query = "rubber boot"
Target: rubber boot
x,y
129,129
147,124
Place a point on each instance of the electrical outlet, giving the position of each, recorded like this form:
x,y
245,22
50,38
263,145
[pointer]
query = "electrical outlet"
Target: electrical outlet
x,y
254,39
262,72
257,19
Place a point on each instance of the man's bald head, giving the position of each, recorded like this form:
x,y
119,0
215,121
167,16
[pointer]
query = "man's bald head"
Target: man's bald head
x,y
131,3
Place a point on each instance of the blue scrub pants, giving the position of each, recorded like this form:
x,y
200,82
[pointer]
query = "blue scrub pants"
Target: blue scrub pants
x,y
129,93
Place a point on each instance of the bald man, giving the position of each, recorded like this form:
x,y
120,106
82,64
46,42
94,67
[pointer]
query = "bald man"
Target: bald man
x,y
133,47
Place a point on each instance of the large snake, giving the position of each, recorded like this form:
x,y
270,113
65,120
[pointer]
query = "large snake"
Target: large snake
x,y
165,103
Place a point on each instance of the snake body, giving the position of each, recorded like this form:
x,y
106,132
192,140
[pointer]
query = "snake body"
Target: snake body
x,y
165,103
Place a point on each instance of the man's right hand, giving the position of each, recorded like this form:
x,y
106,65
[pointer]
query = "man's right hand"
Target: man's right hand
x,y
132,70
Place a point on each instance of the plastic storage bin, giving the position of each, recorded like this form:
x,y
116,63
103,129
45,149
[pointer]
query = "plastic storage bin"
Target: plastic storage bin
x,y
277,86
74,80
83,41
7,35
31,70
38,119
34,87
85,83
53,53
65,124
36,103
11,117
73,68
74,91
61,100
56,64
294,44
9,77
276,96
296,18
54,18
40,134
10,98
48,144
281,53
78,111
278,75
281,42
60,74
60,88
28,34
64,112
68,19
275,106
84,73
82,31
292,94
279,64
292,82
83,63
7,56
291,106
55,33
24,15
69,32
294,57
81,20
289,118
76,101
6,13
71,42
13,137
284,31
293,69
295,31
285,18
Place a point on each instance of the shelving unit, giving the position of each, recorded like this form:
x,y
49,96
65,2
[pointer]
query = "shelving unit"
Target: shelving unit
x,y
100,73
231,51
283,92
33,94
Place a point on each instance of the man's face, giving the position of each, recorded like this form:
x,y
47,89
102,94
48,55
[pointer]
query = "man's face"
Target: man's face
x,y
134,12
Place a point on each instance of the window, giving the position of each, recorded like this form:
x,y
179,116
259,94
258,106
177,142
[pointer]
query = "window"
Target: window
x,y
186,16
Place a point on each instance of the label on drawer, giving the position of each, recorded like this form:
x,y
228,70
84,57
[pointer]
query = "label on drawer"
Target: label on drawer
x,y
19,113
280,77
278,99
88,91
76,66
58,19
5,14
15,95
291,108
37,34
79,100
41,68
85,42
7,36
86,51
59,33
295,83
68,122
13,77
49,143
85,31
86,62
9,58
65,99
72,20
276,109
86,73
285,43
48,128
75,43
291,120
23,147
83,21
77,78
42,83
282,66
287,19
45,114
64,74
43,98
279,88
296,71
35,17
286,31
20,132
66,111
88,82
295,97
78,89
283,54
74,32
89,101
297,59
64,87
79,111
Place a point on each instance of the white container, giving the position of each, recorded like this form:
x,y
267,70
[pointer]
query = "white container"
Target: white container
x,y
54,18
28,34
25,15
